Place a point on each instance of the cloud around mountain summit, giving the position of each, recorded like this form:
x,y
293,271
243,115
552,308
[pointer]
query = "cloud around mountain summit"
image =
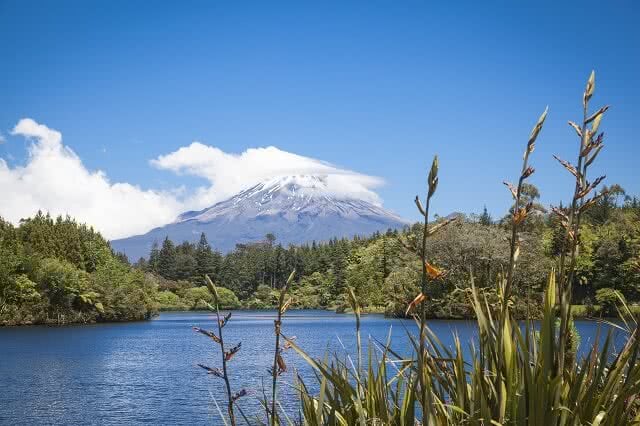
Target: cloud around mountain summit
x,y
54,179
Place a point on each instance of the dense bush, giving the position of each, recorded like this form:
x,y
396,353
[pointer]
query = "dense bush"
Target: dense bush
x,y
608,299
58,271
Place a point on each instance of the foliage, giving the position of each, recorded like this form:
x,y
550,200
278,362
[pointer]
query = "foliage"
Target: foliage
x,y
169,301
516,373
608,299
198,297
383,273
59,271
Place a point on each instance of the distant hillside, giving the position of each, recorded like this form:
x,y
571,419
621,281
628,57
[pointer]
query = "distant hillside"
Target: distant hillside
x,y
296,209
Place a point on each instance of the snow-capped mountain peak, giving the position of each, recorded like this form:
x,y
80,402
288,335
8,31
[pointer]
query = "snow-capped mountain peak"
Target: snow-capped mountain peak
x,y
289,196
295,208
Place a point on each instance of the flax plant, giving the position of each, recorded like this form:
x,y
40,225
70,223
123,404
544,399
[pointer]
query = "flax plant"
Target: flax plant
x,y
515,375
279,366
226,355
590,145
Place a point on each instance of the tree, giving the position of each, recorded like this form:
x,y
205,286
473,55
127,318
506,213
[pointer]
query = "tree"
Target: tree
x,y
365,276
61,284
207,262
606,205
315,291
167,259
485,217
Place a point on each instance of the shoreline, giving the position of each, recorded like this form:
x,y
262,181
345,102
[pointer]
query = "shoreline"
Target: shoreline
x,y
579,313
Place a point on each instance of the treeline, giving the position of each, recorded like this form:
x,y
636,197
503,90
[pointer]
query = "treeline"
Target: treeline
x,y
59,271
254,272
385,272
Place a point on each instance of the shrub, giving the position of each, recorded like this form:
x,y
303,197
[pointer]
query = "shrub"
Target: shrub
x,y
194,298
608,299
170,301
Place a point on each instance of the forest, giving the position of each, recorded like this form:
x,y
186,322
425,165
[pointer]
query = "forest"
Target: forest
x,y
59,271
385,274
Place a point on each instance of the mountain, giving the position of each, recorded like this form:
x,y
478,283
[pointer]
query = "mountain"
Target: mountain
x,y
296,209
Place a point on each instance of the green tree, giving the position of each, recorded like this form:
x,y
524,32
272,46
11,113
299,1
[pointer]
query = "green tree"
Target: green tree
x,y
167,260
485,218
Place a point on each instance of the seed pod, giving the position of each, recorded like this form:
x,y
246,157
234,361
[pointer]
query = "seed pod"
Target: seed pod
x,y
591,86
285,306
225,320
591,144
576,128
567,166
238,395
282,367
419,205
231,352
594,155
520,215
214,371
433,177
512,189
291,277
417,300
528,172
353,301
589,187
208,334
597,114
560,213
591,202
536,130
212,288
433,272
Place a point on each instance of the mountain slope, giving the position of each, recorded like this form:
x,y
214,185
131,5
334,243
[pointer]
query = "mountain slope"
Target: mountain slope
x,y
296,209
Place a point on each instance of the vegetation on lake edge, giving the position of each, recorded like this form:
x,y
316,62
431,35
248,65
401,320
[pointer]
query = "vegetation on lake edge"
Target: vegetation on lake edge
x,y
515,375
385,276
56,271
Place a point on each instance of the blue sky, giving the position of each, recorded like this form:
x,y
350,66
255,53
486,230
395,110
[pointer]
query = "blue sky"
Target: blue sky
x,y
373,87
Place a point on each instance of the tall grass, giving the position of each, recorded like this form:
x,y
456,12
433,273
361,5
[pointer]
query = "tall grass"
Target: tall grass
x,y
518,373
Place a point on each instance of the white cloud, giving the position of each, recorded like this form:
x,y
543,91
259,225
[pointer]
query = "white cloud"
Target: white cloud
x,y
54,179
2,139
230,173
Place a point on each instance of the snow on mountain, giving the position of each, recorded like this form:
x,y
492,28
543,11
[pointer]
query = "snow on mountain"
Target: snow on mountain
x,y
296,209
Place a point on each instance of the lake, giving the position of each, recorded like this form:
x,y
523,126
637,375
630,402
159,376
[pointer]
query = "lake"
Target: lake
x,y
146,373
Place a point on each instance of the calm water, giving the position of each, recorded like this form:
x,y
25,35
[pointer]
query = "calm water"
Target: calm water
x,y
145,372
